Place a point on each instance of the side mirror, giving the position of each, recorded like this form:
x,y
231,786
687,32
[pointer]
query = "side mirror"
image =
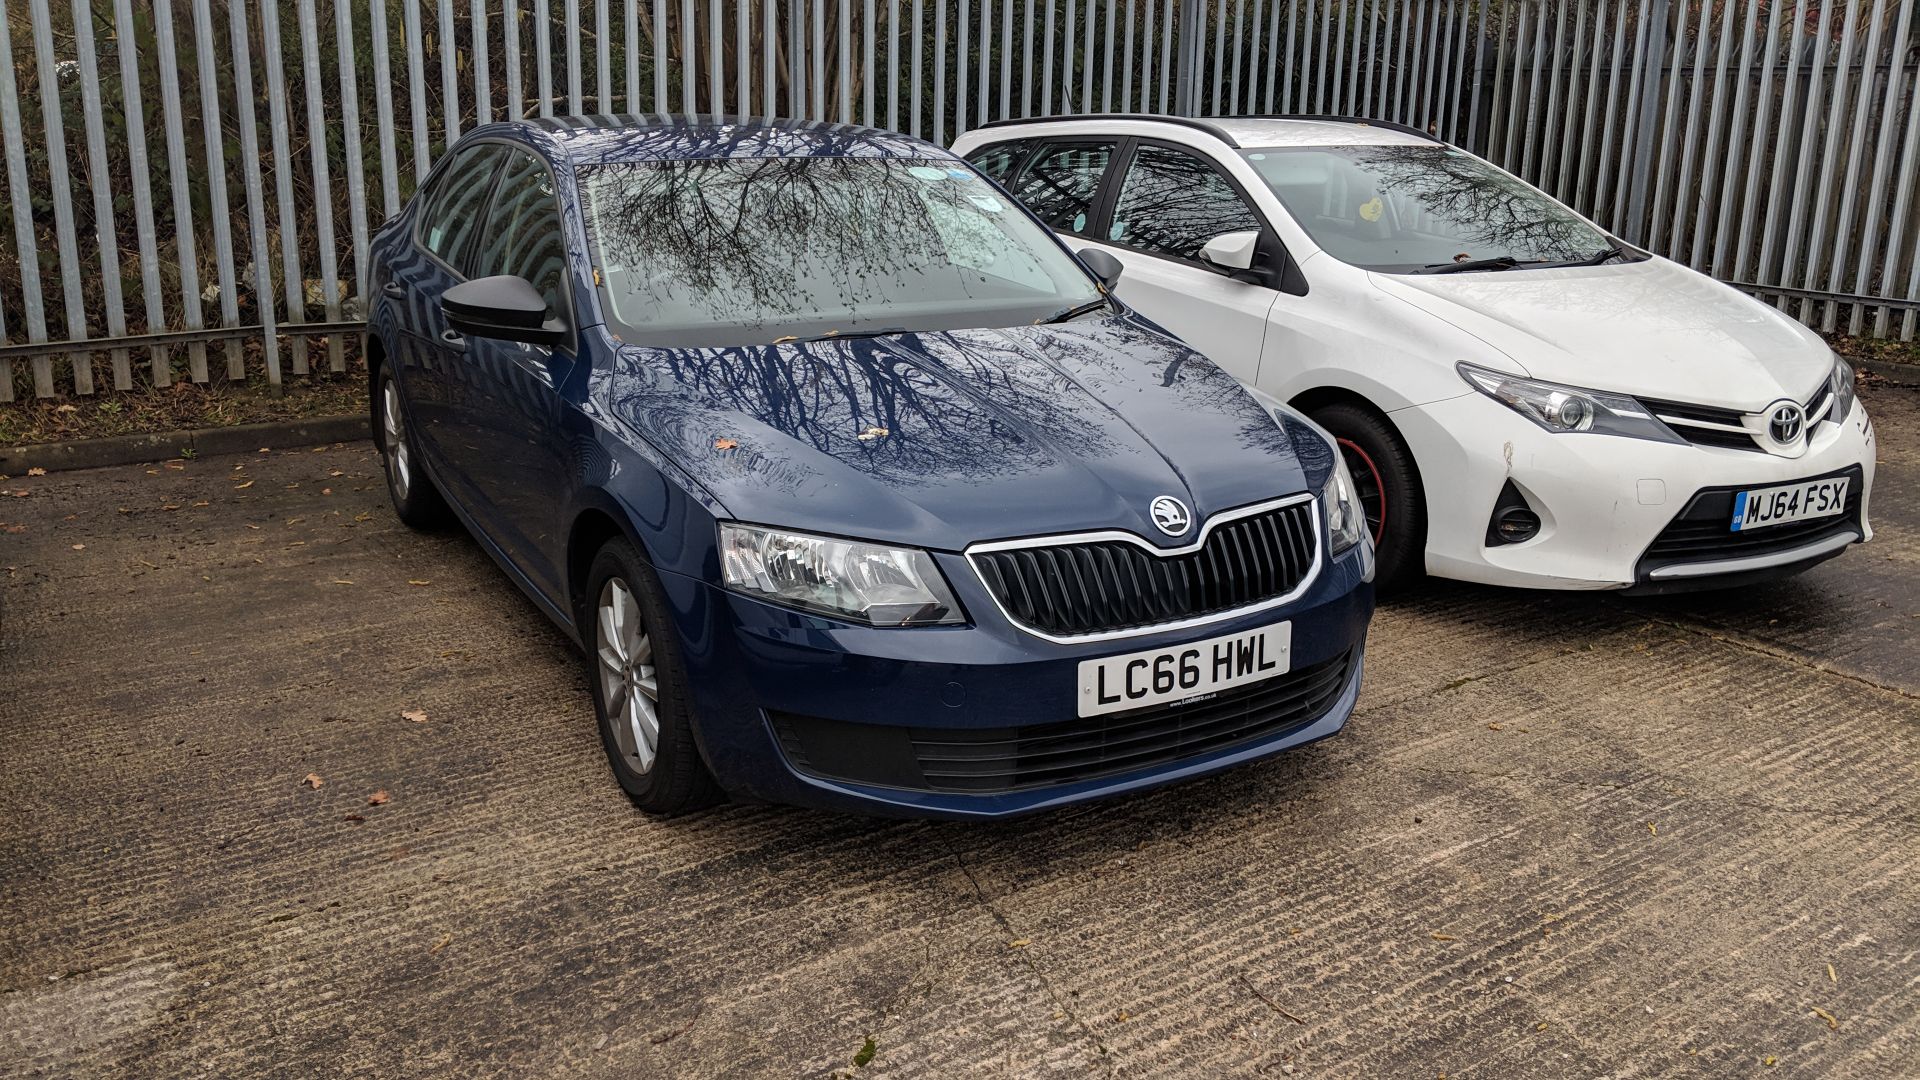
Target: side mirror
x,y
1104,266
1231,251
505,307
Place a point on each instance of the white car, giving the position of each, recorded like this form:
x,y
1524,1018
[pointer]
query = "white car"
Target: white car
x,y
1522,398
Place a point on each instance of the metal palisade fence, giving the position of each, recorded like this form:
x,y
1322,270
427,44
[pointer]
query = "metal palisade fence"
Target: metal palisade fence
x,y
191,184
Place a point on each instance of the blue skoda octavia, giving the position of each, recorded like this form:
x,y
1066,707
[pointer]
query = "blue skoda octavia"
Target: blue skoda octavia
x,y
856,488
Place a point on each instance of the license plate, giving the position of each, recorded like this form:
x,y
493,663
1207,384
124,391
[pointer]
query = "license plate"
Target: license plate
x,y
1760,507
1198,668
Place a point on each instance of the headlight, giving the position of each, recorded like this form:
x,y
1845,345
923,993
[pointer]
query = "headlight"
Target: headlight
x,y
1842,391
1567,408
1346,524
847,579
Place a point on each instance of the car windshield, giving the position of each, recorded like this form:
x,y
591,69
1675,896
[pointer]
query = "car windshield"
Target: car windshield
x,y
1415,209
736,251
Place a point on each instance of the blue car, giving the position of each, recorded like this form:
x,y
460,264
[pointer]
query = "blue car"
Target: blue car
x,y
857,489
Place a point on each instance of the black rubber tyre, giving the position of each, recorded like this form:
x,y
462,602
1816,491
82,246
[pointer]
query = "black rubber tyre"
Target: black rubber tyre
x,y
672,779
1390,492
415,499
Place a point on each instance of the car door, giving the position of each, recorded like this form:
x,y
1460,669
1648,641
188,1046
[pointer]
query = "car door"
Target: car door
x,y
505,416
448,220
1167,203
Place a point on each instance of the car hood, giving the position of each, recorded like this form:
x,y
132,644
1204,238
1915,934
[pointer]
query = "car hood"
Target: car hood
x,y
943,439
1651,328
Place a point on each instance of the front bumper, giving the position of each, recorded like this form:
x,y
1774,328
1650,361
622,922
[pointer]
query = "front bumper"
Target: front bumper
x,y
1603,500
758,670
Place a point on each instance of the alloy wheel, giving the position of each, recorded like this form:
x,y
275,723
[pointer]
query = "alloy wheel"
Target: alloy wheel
x,y
394,434
629,685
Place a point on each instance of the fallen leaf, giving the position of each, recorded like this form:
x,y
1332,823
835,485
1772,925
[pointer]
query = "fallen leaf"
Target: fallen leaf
x,y
417,581
1652,830
865,1057
266,450
445,940
1542,1026
872,433
36,471
313,781
1122,1016
243,487
169,506
66,408
256,528
1833,1022
351,817
1770,1060
79,547
1496,726
724,444
202,502
326,491
341,581
379,798
418,716
1019,943
1445,937
336,472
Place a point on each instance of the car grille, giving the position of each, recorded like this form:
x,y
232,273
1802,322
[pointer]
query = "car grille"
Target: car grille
x,y
1701,533
1705,425
1092,587
990,760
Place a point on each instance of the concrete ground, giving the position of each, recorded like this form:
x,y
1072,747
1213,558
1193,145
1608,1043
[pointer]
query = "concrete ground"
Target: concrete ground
x,y
1563,836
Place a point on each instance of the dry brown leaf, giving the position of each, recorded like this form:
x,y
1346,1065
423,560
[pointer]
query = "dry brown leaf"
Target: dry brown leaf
x,y
379,798
256,528
445,940
417,581
243,487
1833,1022
20,494
313,781
1019,943
1652,830
1445,937
79,547
341,581
36,471
326,491
724,444
351,817
418,716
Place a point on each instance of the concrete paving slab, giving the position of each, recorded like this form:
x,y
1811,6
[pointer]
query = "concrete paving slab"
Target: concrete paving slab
x,y
1571,836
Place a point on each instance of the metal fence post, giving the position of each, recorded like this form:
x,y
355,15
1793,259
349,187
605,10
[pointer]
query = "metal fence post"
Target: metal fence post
x,y
1646,116
1186,85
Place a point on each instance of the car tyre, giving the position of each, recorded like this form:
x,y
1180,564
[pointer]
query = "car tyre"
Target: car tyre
x,y
640,686
1389,490
417,502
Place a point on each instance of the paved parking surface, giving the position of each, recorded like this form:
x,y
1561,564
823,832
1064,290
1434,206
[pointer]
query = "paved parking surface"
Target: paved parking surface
x,y
1563,836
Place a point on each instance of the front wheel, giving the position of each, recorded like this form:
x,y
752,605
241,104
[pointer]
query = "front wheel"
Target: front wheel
x,y
640,687
1388,486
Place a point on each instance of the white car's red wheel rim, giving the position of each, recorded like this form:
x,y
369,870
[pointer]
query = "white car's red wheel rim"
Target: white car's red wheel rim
x,y
1371,487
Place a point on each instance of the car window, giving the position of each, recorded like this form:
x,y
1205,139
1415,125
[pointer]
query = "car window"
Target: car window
x,y
1172,202
453,213
1404,209
1060,183
523,231
997,160
740,251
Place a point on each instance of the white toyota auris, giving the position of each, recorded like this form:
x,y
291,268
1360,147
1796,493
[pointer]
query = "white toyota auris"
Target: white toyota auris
x,y
1522,398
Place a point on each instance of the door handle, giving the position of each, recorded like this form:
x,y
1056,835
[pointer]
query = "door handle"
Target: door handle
x,y
393,289
452,340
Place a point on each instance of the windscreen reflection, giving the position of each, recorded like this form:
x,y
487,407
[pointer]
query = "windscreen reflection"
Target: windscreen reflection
x,y
738,251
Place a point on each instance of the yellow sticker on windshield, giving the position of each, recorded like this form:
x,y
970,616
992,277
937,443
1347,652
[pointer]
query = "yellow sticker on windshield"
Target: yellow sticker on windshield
x,y
1371,209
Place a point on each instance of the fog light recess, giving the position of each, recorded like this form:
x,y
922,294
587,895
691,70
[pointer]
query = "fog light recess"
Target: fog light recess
x,y
1513,520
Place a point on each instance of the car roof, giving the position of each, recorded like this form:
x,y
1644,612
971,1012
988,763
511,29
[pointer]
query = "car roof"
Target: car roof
x,y
1236,132
635,137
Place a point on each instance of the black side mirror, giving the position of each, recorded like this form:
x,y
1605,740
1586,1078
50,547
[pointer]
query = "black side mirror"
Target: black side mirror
x,y
505,307
1104,266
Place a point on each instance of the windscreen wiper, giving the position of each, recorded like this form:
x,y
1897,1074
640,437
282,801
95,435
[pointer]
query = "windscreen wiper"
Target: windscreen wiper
x,y
837,335
1497,262
1073,312
1613,251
